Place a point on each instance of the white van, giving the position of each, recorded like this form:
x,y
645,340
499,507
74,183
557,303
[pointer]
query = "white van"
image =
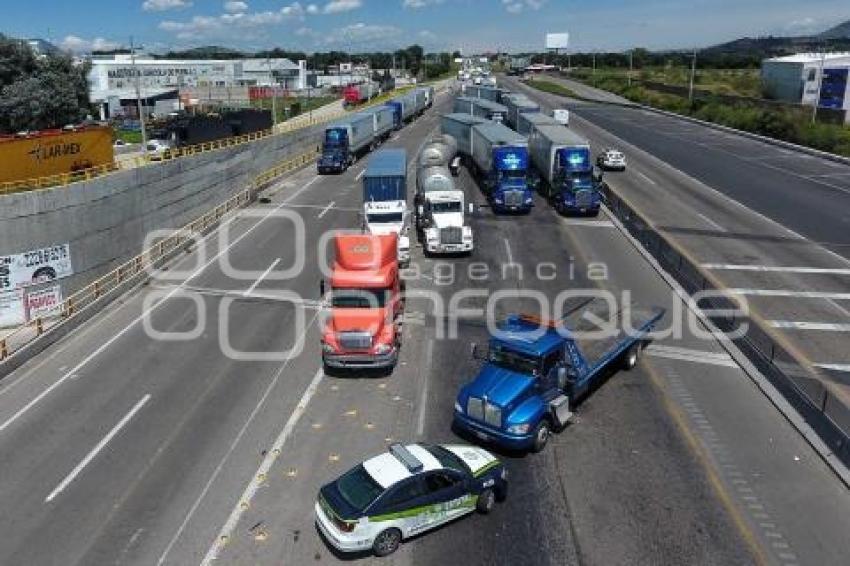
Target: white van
x,y
562,116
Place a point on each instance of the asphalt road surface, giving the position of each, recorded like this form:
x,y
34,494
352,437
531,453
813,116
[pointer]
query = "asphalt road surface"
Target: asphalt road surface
x,y
767,223
122,447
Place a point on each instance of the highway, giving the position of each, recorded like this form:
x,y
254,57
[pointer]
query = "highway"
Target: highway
x,y
121,447
765,222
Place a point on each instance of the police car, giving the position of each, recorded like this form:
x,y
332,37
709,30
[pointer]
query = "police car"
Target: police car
x,y
406,491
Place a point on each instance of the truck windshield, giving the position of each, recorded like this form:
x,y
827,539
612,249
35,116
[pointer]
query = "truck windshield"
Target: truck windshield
x,y
358,488
360,298
334,138
580,181
437,207
382,217
514,361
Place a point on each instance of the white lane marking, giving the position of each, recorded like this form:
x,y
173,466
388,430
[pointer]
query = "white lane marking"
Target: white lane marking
x,y
802,325
508,251
423,398
100,446
264,468
645,178
711,222
141,317
696,356
197,503
265,274
834,367
357,178
326,209
774,268
786,293
589,223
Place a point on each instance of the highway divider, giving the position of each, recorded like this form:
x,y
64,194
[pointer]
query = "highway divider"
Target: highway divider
x,y
32,338
798,382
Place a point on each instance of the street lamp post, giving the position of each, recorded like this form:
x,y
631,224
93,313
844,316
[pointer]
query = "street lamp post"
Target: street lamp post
x,y
693,76
139,97
820,87
274,102
631,65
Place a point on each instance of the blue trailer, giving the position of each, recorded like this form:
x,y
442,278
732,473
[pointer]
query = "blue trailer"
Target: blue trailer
x,y
518,104
383,122
536,370
500,162
385,177
480,107
490,93
568,179
344,141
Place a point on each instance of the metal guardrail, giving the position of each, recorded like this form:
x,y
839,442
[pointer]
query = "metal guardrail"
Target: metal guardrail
x,y
148,259
801,385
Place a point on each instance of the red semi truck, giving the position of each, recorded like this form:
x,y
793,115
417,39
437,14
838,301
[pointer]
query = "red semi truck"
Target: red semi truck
x,y
363,328
355,94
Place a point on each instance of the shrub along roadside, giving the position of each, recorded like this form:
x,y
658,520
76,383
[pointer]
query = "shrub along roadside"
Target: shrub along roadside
x,y
793,126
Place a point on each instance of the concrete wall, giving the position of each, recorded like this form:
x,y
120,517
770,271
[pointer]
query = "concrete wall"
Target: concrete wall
x,y
106,220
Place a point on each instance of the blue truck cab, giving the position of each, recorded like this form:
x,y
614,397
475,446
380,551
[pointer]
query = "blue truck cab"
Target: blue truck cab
x,y
398,113
346,140
535,370
578,183
508,180
335,151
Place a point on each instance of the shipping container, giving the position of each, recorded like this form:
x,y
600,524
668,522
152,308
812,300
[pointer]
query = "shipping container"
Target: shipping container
x,y
480,107
526,123
382,121
53,152
518,104
385,177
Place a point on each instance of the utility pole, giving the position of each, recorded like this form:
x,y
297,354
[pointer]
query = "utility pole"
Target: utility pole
x,y
693,76
139,97
631,65
820,86
274,94
594,68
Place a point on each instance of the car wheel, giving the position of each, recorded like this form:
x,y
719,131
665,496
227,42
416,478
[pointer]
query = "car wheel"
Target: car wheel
x,y
630,359
386,542
502,491
486,501
541,436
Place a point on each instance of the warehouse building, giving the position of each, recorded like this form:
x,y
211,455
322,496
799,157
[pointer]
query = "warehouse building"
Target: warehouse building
x,y
112,79
796,78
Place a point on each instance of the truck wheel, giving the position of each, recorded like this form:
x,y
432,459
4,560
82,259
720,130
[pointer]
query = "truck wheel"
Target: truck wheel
x,y
541,436
486,501
630,358
386,542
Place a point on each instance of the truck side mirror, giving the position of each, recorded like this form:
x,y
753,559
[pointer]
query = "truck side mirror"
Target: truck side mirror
x,y
562,377
321,289
597,175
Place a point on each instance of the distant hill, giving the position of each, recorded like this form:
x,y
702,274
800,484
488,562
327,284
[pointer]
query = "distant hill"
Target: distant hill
x,y
833,39
841,31
206,52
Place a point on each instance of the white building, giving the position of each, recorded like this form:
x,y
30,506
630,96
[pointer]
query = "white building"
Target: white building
x,y
114,77
796,78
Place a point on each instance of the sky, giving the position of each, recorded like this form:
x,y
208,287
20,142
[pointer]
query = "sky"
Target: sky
x,y
365,25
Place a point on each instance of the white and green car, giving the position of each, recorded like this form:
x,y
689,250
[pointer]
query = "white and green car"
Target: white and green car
x,y
406,491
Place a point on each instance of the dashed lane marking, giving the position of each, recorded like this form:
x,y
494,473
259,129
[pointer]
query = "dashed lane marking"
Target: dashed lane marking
x,y
789,293
802,325
326,209
775,269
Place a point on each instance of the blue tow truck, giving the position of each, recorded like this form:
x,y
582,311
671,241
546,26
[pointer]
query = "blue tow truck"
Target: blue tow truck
x,y
535,370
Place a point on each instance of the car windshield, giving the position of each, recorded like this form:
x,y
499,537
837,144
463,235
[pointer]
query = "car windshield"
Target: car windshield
x,y
514,361
384,217
359,298
358,488
448,459
438,207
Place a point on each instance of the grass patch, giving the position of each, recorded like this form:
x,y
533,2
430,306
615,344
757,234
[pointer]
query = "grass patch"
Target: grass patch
x,y
129,136
552,88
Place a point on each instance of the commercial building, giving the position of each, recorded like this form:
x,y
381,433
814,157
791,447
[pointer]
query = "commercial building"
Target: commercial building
x,y
797,79
112,79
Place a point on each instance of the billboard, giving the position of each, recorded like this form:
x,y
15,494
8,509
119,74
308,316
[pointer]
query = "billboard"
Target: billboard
x,y
44,302
35,266
557,40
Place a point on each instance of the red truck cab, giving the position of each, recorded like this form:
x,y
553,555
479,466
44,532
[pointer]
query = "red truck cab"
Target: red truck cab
x,y
363,329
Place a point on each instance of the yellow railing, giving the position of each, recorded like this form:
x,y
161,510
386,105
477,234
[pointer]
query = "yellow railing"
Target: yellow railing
x,y
149,258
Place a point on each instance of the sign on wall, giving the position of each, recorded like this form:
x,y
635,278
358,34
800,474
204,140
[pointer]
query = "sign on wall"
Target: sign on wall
x,y
12,308
35,266
44,302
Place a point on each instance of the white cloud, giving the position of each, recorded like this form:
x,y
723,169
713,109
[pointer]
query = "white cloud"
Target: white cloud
x,y
416,4
312,9
363,35
427,35
804,26
517,6
235,6
80,45
223,25
294,10
338,6
163,5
